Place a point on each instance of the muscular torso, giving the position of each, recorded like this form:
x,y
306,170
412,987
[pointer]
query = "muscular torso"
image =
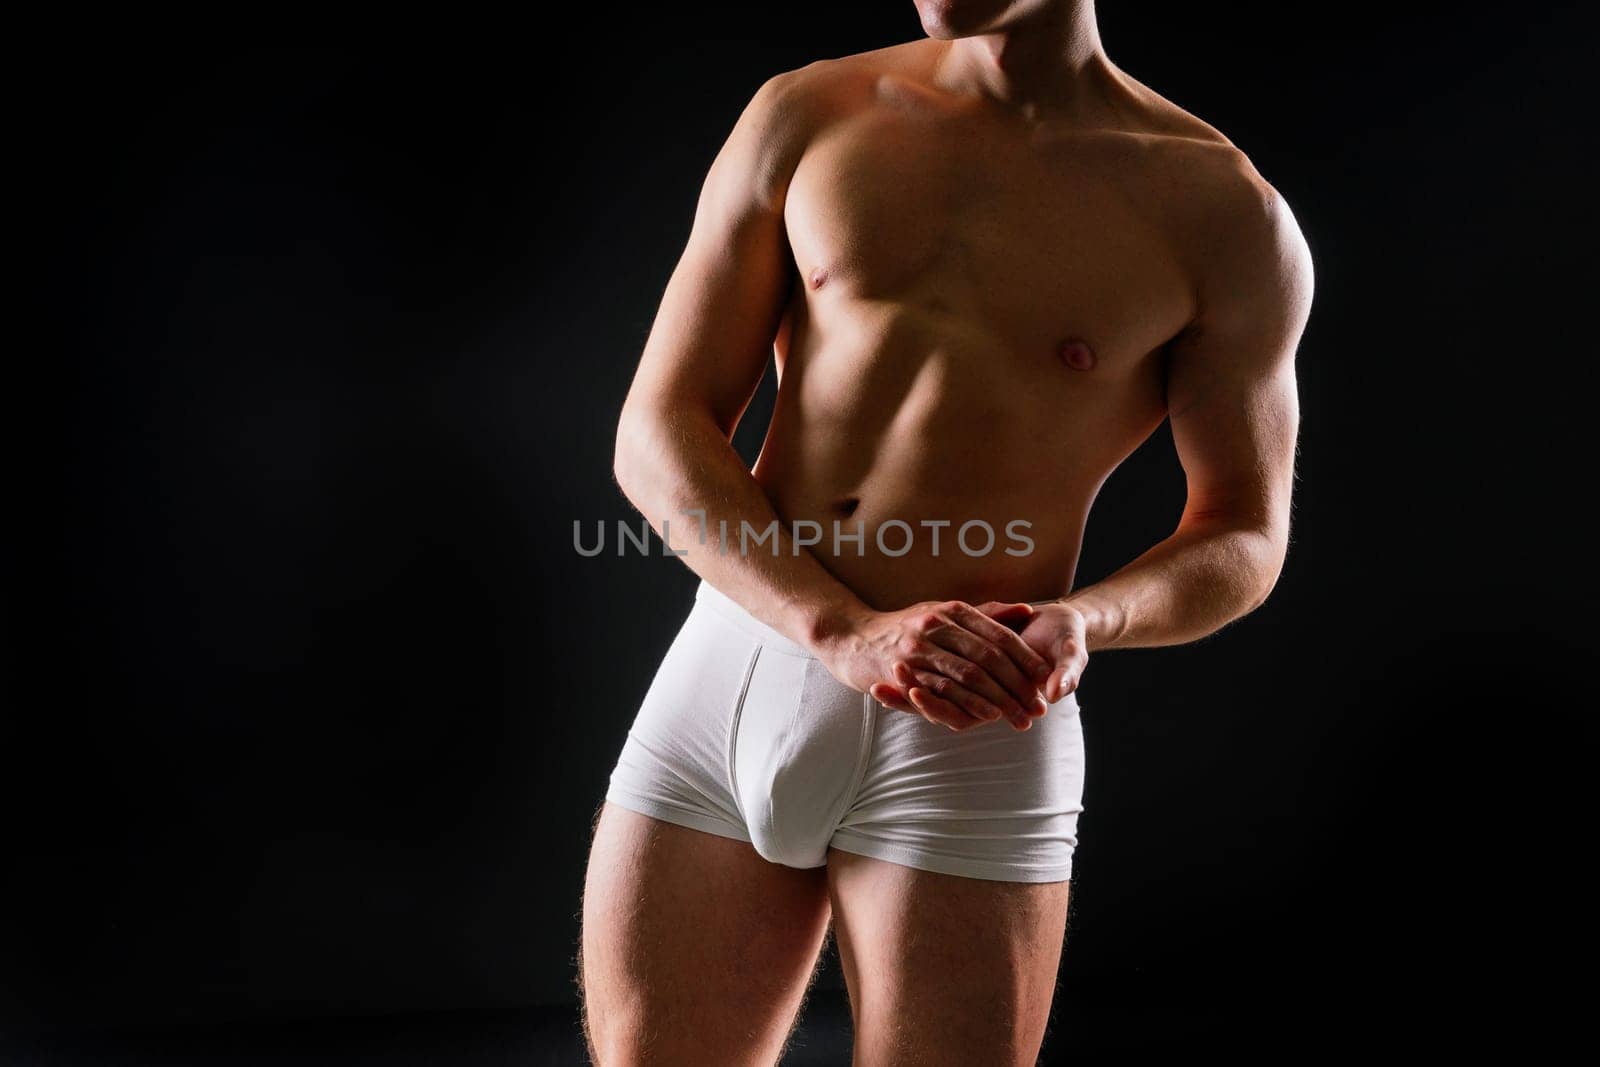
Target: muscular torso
x,y
977,332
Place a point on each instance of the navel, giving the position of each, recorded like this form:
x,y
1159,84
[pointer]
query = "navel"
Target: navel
x,y
1076,354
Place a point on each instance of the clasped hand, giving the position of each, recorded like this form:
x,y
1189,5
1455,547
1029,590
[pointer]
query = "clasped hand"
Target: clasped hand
x,y
963,665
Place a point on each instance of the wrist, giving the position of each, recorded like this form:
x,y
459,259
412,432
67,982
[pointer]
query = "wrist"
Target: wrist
x,y
825,626
1103,624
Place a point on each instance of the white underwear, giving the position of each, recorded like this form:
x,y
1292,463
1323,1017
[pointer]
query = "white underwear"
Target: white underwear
x,y
745,734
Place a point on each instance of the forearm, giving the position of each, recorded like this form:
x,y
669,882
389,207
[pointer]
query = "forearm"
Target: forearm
x,y
674,466
1185,587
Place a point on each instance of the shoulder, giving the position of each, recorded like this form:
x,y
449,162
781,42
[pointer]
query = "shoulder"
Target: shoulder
x,y
1254,251
792,107
1200,184
1235,234
1248,263
1217,185
823,88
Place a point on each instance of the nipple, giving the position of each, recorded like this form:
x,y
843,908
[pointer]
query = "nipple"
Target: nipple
x,y
818,276
1076,355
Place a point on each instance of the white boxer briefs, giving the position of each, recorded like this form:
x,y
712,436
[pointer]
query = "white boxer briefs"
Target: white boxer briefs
x,y
745,734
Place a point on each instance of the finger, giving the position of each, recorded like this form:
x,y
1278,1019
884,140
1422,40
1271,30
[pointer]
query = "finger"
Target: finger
x,y
993,662
1007,640
960,675
940,711
973,710
1018,722
972,707
1005,612
890,697
968,701
1063,681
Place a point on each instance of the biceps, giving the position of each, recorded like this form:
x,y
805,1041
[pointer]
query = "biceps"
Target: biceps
x,y
723,304
719,315
1236,441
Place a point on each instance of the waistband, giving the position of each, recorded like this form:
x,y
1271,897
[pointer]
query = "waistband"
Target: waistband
x,y
736,613
733,611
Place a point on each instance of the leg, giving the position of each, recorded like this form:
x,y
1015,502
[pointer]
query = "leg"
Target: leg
x,y
695,950
945,969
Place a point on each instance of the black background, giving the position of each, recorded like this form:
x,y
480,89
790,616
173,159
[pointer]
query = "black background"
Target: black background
x,y
309,700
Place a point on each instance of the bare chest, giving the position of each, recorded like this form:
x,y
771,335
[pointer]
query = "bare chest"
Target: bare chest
x,y
1048,248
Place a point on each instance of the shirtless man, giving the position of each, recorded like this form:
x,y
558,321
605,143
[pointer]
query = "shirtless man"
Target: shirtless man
x,y
989,264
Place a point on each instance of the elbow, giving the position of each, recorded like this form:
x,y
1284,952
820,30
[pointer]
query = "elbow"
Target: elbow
x,y
658,442
1268,551
622,463
631,452
1262,590
1246,555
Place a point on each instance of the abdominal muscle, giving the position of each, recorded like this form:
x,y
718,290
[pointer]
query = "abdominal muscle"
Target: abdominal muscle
x,y
967,469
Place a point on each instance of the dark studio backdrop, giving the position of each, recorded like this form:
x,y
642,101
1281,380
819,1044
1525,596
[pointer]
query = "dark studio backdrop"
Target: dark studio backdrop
x,y
309,701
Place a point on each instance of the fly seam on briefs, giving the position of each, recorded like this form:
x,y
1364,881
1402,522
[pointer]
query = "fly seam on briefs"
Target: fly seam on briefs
x,y
733,733
869,714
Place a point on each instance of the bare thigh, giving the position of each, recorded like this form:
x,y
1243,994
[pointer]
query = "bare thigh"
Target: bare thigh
x,y
695,950
945,970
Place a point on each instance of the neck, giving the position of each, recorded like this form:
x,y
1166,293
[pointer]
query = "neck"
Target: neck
x,y
1039,64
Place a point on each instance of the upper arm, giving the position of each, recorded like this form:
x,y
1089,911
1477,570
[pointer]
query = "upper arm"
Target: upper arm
x,y
714,330
1231,391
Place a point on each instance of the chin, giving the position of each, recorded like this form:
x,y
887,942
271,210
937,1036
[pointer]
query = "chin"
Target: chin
x,y
946,20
